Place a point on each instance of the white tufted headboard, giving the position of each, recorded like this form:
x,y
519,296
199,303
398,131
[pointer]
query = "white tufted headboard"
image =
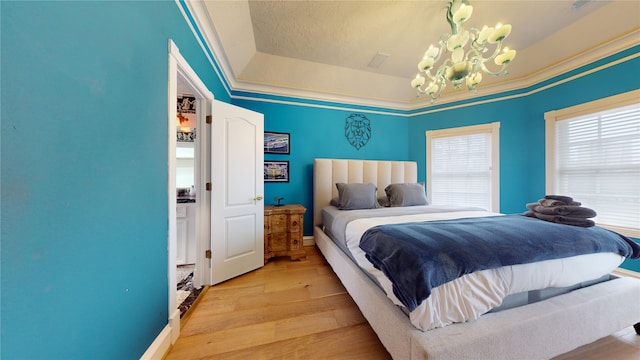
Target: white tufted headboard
x,y
328,172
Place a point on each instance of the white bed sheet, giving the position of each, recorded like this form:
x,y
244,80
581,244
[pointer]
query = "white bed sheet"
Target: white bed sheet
x,y
472,295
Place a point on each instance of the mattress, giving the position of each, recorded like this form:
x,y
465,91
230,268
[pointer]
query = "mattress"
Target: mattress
x,y
472,295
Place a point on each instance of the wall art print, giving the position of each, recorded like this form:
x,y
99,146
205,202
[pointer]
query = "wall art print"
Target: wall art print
x,y
186,118
186,104
276,143
276,171
357,130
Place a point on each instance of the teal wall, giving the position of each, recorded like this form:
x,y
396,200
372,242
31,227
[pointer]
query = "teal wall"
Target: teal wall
x,y
318,132
84,174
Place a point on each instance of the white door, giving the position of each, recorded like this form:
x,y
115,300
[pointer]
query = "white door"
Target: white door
x,y
237,177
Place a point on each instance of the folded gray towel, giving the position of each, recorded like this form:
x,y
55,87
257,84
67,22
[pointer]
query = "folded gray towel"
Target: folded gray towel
x,y
565,199
567,210
549,202
560,219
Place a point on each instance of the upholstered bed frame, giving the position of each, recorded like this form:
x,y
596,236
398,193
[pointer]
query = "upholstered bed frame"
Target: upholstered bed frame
x,y
536,331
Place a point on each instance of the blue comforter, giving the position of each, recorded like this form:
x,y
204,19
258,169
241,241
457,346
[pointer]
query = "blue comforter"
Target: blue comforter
x,y
419,256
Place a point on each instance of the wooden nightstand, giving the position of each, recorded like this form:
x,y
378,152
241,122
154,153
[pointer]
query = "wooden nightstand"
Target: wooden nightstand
x,y
283,226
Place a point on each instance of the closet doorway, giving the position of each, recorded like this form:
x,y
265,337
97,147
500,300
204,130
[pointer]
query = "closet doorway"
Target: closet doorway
x,y
187,217
189,103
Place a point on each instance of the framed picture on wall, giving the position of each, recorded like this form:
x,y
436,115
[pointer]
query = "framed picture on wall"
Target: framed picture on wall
x,y
276,171
276,143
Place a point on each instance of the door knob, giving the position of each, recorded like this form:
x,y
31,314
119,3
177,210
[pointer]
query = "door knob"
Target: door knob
x,y
258,198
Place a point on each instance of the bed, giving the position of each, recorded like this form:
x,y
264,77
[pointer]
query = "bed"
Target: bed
x,y
533,331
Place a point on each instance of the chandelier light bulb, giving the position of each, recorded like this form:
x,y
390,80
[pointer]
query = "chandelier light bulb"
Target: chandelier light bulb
x,y
425,64
418,81
474,79
484,34
457,40
432,89
500,33
505,57
457,55
463,14
458,71
431,52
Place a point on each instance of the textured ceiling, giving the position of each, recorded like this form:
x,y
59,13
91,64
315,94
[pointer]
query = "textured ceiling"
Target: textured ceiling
x,y
321,49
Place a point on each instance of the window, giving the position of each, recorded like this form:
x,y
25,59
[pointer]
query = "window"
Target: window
x,y
593,155
463,166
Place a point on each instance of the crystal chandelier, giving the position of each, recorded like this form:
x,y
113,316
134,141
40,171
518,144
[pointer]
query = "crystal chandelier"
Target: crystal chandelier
x,y
464,66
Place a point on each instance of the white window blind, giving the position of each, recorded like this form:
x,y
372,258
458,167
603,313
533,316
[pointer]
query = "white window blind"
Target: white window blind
x,y
597,162
461,167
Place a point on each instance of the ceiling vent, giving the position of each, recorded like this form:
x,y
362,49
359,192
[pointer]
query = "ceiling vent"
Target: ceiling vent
x,y
378,60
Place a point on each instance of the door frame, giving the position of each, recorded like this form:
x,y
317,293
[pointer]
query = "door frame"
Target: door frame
x,y
181,73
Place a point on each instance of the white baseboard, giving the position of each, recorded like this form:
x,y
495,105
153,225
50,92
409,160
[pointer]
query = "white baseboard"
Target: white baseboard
x,y
167,337
308,241
174,322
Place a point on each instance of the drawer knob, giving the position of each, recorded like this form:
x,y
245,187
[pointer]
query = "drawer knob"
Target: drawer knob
x,y
295,242
295,223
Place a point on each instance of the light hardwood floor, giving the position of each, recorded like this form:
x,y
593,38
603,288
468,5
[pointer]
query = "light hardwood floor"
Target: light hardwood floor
x,y
299,310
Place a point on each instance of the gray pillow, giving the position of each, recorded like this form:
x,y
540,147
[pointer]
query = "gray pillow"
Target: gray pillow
x,y
356,196
407,194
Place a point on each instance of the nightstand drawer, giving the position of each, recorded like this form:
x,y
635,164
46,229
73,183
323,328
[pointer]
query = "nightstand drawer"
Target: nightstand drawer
x,y
279,242
295,241
278,223
294,223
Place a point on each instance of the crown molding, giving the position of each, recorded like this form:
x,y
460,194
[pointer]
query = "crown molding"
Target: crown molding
x,y
211,45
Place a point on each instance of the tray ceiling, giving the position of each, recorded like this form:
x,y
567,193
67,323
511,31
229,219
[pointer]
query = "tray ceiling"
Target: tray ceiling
x,y
323,49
